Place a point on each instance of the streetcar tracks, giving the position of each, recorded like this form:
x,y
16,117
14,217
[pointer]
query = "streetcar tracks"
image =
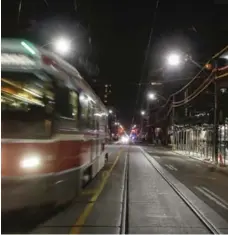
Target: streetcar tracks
x,y
124,215
213,197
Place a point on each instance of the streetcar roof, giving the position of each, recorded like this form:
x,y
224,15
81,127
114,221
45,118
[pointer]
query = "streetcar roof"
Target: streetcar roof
x,y
20,54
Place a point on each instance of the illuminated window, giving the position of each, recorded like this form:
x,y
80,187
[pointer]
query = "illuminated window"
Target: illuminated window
x,y
91,118
87,119
84,106
74,104
27,100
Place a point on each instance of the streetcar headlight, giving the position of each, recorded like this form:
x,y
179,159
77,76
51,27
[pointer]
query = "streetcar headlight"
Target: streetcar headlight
x,y
30,162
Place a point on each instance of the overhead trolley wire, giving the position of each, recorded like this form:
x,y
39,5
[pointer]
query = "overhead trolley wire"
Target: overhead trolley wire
x,y
145,59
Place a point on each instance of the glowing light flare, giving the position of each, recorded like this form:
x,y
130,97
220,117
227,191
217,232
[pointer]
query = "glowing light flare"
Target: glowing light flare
x,y
151,96
174,59
143,113
30,162
209,66
28,48
62,45
124,139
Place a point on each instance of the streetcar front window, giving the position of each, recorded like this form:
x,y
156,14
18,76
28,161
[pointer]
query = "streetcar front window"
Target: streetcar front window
x,y
26,101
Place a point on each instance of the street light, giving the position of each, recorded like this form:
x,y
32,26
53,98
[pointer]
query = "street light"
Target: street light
x,y
143,113
110,111
152,96
174,59
62,45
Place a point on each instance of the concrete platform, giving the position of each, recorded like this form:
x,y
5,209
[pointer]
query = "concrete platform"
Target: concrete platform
x,y
154,207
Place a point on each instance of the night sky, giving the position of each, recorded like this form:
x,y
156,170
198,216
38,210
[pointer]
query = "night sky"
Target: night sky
x,y
119,32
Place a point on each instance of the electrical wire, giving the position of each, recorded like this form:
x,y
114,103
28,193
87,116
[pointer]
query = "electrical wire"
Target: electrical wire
x,y
145,60
199,88
198,93
194,78
203,68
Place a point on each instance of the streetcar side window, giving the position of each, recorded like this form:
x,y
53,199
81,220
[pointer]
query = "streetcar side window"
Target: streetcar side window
x,y
84,108
63,108
66,101
87,119
74,104
27,101
91,119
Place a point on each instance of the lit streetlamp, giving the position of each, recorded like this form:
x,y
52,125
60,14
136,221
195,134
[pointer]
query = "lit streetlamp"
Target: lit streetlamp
x,y
174,59
143,113
142,120
62,45
151,96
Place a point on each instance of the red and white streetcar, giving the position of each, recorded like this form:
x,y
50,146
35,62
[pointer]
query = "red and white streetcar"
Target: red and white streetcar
x,y
53,127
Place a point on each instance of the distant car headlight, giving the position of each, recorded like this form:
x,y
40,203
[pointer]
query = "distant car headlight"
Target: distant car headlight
x,y
30,162
124,140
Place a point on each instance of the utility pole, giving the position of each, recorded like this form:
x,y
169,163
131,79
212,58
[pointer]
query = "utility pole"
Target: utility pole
x,y
141,125
148,117
173,122
186,101
216,119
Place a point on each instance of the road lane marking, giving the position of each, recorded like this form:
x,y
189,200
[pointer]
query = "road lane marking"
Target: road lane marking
x,y
216,196
76,228
171,167
205,193
168,166
204,177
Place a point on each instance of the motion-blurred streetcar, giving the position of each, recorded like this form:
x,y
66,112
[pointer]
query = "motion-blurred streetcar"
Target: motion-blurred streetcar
x,y
54,128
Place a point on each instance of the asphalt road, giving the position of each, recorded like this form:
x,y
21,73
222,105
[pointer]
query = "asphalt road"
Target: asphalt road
x,y
130,194
208,185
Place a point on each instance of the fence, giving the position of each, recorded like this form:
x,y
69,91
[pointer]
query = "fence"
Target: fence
x,y
198,141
